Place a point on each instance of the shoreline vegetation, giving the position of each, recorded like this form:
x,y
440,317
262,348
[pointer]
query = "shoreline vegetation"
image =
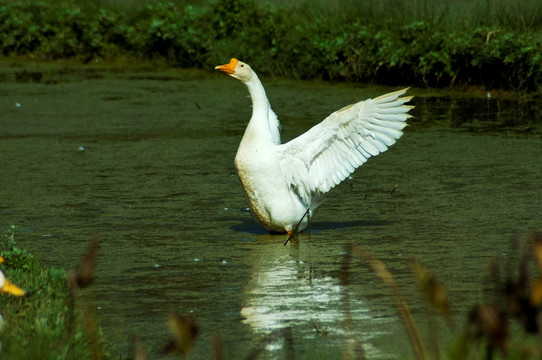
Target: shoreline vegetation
x,y
492,44
54,318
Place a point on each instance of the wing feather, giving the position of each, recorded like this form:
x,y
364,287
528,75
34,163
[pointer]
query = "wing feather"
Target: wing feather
x,y
316,161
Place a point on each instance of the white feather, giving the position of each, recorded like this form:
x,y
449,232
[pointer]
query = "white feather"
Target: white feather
x,y
356,132
282,181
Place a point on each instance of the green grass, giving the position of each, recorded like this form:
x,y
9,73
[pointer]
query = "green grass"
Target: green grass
x,y
520,15
485,43
52,320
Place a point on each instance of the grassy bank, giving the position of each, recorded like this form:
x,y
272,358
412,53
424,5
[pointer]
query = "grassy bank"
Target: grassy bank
x,y
492,43
52,320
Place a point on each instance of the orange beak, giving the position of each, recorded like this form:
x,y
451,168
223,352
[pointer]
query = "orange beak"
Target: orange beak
x,y
228,68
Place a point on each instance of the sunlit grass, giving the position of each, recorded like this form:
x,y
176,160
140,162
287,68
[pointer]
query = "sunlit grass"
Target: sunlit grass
x,y
52,320
520,15
489,43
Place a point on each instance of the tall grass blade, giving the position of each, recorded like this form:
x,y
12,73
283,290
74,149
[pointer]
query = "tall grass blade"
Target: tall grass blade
x,y
380,269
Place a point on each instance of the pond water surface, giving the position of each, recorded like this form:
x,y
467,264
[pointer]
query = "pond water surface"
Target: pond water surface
x,y
144,160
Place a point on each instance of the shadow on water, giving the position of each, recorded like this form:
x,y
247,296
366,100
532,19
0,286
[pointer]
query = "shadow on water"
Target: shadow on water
x,y
318,227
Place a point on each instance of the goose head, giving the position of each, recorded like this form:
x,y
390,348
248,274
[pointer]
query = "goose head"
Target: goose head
x,y
237,69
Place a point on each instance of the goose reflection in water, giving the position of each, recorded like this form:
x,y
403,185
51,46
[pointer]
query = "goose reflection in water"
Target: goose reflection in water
x,y
287,289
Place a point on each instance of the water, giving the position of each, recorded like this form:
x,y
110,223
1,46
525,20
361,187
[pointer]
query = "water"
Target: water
x,y
144,160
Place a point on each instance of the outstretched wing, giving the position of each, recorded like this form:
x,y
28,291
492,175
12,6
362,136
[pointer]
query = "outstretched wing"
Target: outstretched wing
x,y
321,158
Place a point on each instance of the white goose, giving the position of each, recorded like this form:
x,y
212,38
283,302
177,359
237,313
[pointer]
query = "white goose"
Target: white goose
x,y
284,182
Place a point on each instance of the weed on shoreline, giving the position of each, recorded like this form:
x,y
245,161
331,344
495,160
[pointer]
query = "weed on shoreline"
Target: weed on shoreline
x,y
425,44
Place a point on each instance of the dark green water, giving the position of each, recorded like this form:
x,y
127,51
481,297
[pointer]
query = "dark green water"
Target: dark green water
x,y
144,160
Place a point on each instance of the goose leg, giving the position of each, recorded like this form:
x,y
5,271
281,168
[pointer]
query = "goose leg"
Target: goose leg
x,y
292,235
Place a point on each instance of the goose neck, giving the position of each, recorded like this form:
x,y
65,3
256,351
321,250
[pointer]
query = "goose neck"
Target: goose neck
x,y
257,94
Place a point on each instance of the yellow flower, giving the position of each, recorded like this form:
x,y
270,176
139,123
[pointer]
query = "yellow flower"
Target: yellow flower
x,y
6,286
